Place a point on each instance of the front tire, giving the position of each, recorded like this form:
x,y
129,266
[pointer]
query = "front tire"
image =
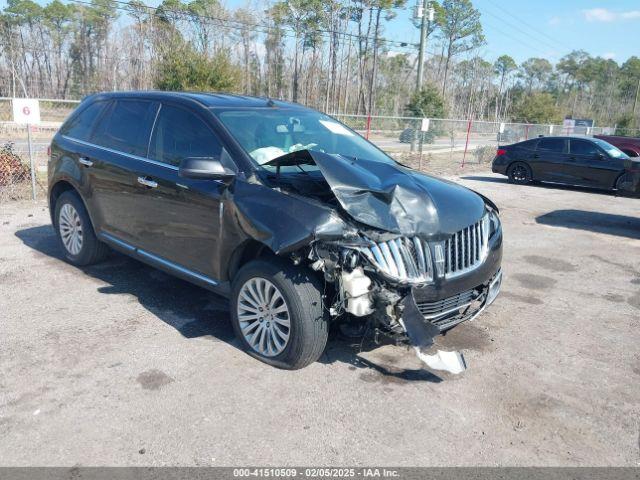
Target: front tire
x,y
520,173
624,184
278,313
75,231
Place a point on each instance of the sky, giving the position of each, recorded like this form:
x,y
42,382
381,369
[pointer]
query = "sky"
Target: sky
x,y
547,28
530,28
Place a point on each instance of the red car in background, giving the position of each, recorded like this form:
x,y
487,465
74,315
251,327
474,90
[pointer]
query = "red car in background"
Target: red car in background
x,y
629,145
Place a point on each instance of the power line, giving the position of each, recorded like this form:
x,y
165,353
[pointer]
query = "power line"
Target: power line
x,y
516,28
540,32
125,6
516,39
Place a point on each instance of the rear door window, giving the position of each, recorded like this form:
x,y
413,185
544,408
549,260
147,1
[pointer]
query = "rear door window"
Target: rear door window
x,y
551,145
81,125
583,147
179,134
126,126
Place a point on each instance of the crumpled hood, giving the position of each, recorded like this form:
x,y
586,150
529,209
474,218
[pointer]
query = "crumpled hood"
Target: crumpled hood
x,y
397,199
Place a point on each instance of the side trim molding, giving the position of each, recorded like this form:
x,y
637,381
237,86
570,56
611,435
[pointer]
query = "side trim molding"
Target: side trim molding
x,y
154,259
110,238
111,150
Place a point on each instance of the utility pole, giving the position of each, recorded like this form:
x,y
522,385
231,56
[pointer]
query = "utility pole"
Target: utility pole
x,y
635,101
425,12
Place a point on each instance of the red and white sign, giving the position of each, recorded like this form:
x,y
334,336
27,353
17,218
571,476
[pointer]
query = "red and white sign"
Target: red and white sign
x,y
26,111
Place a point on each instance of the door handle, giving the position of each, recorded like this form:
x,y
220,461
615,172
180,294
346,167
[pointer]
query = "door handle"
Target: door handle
x,y
85,161
147,182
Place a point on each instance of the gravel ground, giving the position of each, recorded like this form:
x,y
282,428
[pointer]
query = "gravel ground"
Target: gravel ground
x,y
120,364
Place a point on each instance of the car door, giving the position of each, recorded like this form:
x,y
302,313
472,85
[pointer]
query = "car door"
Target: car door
x,y
591,166
119,142
548,159
73,142
179,218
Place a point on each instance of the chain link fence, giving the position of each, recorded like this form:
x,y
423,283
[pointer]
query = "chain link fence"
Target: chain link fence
x,y
23,149
438,146
445,146
23,160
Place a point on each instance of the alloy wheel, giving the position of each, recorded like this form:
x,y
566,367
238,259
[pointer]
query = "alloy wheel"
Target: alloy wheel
x,y
263,316
70,227
520,173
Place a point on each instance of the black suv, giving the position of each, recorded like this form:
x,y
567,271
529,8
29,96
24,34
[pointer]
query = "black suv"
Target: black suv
x,y
294,216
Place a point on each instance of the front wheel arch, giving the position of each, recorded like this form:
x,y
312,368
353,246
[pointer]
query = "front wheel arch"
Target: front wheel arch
x,y
616,184
245,253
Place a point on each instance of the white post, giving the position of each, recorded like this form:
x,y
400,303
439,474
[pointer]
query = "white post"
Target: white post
x,y
31,165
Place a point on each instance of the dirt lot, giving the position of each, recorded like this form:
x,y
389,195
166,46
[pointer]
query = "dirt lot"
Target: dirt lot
x,y
120,364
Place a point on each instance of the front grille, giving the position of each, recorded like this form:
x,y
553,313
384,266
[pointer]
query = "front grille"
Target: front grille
x,y
466,249
450,311
432,310
403,259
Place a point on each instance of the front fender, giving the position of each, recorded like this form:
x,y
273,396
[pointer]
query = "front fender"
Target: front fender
x,y
281,221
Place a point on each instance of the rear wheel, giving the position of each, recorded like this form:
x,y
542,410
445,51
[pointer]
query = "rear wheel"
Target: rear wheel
x,y
277,313
520,173
75,231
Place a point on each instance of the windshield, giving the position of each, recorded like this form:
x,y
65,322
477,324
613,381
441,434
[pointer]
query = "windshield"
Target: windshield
x,y
270,133
613,152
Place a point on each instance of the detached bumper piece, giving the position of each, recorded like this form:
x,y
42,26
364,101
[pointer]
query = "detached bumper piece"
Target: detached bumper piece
x,y
421,334
423,321
451,311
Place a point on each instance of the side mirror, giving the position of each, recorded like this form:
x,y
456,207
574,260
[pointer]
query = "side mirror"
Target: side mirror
x,y
204,168
600,156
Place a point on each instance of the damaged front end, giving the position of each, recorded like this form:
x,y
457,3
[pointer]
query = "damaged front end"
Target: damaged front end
x,y
417,255
399,295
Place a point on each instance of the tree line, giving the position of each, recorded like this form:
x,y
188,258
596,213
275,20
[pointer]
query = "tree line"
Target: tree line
x,y
331,55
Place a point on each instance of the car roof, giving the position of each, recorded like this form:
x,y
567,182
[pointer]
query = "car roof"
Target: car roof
x,y
207,100
562,137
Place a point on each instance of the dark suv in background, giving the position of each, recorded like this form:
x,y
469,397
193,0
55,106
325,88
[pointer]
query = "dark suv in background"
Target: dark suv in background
x,y
295,217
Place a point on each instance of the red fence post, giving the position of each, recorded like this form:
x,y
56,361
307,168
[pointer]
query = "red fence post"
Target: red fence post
x,y
466,145
368,126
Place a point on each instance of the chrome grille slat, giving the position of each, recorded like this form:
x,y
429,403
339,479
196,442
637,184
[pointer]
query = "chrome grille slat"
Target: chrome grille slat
x,y
408,259
467,248
404,259
440,308
379,258
422,266
395,251
391,265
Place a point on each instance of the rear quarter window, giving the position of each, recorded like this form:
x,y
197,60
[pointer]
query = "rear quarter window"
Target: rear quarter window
x,y
126,126
528,144
552,145
81,124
